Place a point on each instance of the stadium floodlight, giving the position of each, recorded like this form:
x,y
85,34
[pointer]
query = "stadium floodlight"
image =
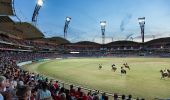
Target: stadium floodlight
x,y
36,11
103,25
40,2
68,19
142,27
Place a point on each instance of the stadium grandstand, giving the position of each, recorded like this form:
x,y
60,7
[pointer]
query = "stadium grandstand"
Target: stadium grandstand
x,y
6,7
24,43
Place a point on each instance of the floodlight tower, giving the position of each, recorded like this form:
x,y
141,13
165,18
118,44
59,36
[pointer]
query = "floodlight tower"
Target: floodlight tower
x,y
68,19
103,25
142,27
36,11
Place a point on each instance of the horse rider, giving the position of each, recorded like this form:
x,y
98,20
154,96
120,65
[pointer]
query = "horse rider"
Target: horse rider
x,y
125,64
113,65
100,66
165,71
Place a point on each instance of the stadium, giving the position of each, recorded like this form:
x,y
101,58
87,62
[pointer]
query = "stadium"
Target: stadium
x,y
38,63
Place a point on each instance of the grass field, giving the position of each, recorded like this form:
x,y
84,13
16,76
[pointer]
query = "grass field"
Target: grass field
x,y
143,80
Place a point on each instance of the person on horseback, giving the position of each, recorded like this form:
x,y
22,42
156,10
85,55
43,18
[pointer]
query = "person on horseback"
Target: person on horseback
x,y
126,66
165,71
123,71
100,66
114,67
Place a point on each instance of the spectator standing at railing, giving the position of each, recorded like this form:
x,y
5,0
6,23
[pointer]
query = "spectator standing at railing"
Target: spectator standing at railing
x,y
78,93
62,93
123,97
129,97
72,91
89,95
104,97
115,96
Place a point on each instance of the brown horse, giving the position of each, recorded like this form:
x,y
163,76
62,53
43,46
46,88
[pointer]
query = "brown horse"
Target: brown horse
x,y
164,74
114,68
126,66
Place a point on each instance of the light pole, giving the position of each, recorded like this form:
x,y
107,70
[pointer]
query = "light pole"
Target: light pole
x,y
36,11
142,27
103,25
68,19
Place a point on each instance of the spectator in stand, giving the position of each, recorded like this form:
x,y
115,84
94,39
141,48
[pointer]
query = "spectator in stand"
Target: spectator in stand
x,y
33,94
43,93
78,93
84,96
115,96
72,92
1,97
68,96
2,86
52,88
129,97
4,94
104,97
89,95
56,85
123,97
62,93
23,93
96,97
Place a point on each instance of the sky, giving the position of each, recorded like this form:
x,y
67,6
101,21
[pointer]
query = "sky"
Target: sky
x,y
121,18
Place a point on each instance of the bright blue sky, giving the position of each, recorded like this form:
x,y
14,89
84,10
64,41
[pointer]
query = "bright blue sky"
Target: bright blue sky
x,y
87,14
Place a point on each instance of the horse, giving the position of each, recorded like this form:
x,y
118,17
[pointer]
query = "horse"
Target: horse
x,y
100,66
126,66
164,74
114,68
123,71
168,72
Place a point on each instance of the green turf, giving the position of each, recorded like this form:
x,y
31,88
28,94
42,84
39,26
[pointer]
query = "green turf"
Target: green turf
x,y
143,80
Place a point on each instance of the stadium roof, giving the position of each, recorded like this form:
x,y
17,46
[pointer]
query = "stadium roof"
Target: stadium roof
x,y
6,7
58,40
86,43
6,19
20,29
159,40
29,31
123,43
